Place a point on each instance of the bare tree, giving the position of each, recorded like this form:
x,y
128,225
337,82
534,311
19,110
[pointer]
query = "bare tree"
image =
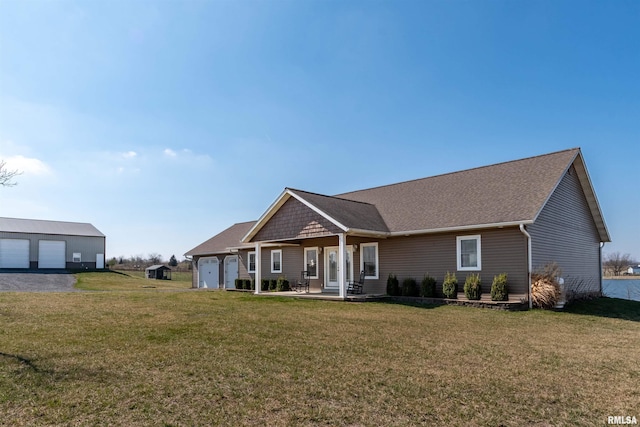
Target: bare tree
x,y
155,258
7,175
617,262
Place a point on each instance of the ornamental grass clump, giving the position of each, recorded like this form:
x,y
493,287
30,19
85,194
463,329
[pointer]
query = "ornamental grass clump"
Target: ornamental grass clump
x,y
499,288
473,287
428,287
545,290
450,285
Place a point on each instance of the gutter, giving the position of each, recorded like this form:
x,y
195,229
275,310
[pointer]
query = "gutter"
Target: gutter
x,y
529,261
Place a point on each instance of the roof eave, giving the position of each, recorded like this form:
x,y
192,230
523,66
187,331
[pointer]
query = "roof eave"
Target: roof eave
x,y
459,228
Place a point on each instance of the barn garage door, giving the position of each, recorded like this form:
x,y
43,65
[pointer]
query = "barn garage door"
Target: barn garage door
x,y
14,253
51,254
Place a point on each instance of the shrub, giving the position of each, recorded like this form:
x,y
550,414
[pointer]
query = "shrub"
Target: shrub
x,y
473,287
450,285
393,286
410,287
282,284
499,289
428,287
273,284
264,285
545,290
251,284
246,284
238,283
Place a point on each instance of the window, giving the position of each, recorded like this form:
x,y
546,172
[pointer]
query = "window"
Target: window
x,y
369,260
469,253
77,257
276,261
311,262
251,264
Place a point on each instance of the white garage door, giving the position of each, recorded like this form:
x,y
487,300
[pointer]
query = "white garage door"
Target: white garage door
x,y
14,253
208,273
51,254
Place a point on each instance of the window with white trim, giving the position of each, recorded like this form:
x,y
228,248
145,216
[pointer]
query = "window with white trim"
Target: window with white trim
x,y
469,253
369,260
276,261
311,262
251,262
77,257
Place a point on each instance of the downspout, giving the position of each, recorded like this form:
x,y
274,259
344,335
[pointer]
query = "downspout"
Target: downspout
x,y
600,256
529,262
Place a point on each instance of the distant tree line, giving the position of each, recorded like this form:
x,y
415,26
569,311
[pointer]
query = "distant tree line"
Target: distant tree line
x,y
616,263
138,262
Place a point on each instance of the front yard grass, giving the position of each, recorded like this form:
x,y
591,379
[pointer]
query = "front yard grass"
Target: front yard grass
x,y
137,356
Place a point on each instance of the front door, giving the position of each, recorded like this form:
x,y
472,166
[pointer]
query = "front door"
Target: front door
x,y
230,271
331,271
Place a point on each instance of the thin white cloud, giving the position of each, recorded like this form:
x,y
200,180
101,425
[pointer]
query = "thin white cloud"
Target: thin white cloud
x,y
129,154
169,152
27,165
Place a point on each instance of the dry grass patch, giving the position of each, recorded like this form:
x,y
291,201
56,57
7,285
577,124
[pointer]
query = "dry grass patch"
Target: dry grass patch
x,y
216,358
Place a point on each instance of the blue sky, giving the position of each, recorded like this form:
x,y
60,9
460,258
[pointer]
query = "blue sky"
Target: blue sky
x,y
163,123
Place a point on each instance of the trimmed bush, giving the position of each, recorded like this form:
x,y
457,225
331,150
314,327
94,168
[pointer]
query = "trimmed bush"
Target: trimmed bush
x,y
273,284
393,286
264,285
238,283
282,284
252,285
410,287
473,287
428,287
450,285
246,284
499,289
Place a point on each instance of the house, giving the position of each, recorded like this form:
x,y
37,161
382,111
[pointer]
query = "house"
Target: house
x,y
633,270
511,217
39,244
158,272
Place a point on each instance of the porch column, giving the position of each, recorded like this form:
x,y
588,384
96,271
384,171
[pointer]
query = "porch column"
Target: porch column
x,y
258,273
342,265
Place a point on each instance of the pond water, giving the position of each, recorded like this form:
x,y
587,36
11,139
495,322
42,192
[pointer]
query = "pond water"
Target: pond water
x,y
622,288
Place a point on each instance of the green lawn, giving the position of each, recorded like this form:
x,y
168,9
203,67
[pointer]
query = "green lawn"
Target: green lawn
x,y
163,356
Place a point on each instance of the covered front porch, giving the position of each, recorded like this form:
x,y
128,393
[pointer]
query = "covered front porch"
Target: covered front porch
x,y
322,267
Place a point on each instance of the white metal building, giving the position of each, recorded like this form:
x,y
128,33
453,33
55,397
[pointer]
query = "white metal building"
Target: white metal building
x,y
39,244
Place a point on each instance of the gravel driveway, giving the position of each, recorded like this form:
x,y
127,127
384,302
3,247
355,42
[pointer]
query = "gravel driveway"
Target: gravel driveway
x,y
37,282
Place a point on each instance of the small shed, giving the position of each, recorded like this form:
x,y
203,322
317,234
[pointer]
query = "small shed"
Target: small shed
x,y
158,272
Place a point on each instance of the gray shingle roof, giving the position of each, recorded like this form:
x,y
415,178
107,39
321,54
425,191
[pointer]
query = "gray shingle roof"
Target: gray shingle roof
x,y
350,213
508,192
221,242
37,226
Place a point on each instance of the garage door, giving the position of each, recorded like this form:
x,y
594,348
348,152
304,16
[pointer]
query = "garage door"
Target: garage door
x,y
208,273
14,253
51,254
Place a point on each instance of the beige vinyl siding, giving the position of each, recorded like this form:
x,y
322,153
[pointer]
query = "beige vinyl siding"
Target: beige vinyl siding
x,y
503,251
565,233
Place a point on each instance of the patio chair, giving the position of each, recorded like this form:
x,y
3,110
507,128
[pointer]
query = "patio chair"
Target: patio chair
x,y
356,287
303,283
